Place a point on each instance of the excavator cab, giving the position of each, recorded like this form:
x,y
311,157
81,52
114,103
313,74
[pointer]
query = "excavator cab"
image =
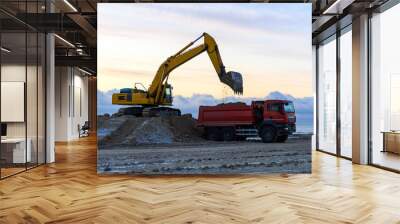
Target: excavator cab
x,y
168,94
139,88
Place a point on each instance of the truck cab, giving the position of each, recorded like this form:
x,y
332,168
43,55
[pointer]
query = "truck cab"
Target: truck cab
x,y
275,114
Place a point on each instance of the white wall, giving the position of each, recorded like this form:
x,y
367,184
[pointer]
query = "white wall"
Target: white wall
x,y
17,73
81,104
71,102
62,82
14,73
33,126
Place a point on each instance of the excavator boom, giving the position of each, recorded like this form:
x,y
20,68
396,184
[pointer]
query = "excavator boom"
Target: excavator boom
x,y
232,79
159,92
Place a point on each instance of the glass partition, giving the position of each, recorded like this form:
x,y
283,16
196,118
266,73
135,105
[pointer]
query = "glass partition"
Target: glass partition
x,y
41,97
22,77
385,89
327,96
31,97
346,94
13,94
32,109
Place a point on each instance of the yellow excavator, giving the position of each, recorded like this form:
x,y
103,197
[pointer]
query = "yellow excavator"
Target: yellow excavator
x,y
149,102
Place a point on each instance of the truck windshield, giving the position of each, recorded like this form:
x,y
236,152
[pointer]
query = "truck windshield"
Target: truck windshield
x,y
288,107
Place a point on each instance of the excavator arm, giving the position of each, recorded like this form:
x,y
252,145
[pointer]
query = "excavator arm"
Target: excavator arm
x,y
232,79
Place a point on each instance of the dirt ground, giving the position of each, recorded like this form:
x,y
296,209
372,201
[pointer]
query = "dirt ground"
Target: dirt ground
x,y
208,157
175,145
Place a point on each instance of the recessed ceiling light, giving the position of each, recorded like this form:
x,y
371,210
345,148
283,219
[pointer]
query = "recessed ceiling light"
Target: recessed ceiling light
x,y
84,71
5,50
70,5
64,40
338,6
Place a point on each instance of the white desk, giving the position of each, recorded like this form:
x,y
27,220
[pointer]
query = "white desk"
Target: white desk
x,y
19,153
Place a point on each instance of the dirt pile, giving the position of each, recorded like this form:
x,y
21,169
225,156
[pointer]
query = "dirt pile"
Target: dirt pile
x,y
185,129
129,130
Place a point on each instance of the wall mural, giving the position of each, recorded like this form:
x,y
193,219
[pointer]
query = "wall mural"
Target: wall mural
x,y
204,88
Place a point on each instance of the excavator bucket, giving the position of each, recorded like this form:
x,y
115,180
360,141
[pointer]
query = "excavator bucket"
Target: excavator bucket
x,y
233,80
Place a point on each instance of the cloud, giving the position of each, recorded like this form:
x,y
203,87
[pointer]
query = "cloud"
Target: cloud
x,y
190,105
104,102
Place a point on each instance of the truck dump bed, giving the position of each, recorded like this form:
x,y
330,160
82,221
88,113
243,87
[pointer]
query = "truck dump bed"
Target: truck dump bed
x,y
225,114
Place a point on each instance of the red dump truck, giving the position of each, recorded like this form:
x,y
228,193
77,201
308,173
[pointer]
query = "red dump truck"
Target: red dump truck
x,y
271,120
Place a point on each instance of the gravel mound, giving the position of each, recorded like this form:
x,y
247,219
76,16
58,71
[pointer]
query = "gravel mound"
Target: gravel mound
x,y
130,130
150,131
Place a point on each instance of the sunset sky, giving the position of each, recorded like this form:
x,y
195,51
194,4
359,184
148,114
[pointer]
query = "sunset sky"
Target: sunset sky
x,y
270,44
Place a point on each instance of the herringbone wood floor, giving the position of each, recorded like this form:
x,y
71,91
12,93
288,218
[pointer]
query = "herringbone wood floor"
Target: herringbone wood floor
x,y
70,191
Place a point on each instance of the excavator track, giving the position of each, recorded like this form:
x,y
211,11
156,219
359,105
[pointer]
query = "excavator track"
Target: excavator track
x,y
149,111
160,112
135,111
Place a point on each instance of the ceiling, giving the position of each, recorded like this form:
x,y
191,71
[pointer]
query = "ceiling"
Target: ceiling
x,y
75,22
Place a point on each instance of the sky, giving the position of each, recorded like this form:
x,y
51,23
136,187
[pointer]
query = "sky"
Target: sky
x,y
269,44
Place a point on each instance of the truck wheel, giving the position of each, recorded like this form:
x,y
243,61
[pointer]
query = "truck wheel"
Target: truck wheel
x,y
282,138
268,134
240,138
228,134
212,134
